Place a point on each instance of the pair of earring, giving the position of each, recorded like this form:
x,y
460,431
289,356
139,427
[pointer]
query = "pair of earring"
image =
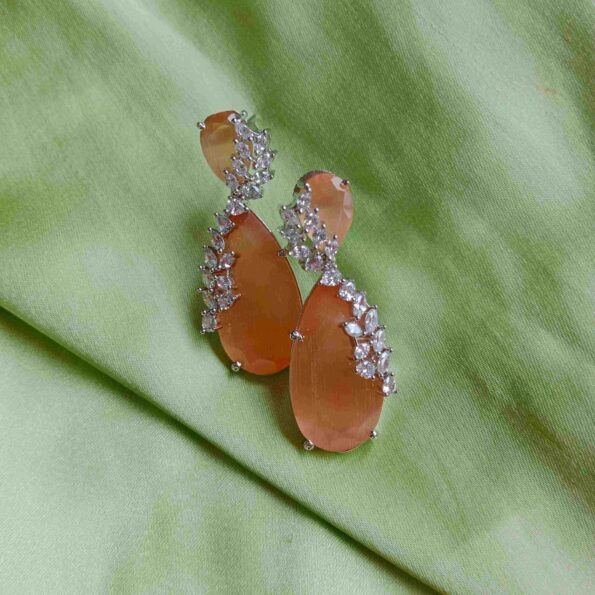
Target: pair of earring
x,y
334,345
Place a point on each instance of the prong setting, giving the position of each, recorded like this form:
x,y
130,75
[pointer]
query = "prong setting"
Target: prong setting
x,y
309,445
295,335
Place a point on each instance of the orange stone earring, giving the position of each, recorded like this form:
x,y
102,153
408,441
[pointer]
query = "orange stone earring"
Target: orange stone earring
x,y
250,291
339,372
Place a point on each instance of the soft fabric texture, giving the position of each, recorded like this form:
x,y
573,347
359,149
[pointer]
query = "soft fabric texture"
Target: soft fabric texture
x,y
133,460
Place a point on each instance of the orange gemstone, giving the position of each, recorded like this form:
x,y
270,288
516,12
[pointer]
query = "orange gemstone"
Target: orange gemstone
x,y
335,408
216,141
255,330
333,197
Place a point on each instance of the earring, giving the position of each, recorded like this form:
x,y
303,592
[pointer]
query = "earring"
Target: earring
x,y
250,291
339,372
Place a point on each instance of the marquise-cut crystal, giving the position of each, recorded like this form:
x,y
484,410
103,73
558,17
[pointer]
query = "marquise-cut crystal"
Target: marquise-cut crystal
x,y
292,233
389,385
235,206
252,191
226,260
353,329
361,350
382,365
360,304
209,322
224,223
290,216
209,299
225,300
218,241
259,142
210,257
242,130
331,246
209,279
311,221
231,181
378,340
318,234
243,149
371,321
335,408
264,161
224,282
264,176
347,290
304,199
239,167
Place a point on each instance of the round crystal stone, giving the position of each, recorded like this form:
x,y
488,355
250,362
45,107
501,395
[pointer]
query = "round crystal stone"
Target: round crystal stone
x,y
366,369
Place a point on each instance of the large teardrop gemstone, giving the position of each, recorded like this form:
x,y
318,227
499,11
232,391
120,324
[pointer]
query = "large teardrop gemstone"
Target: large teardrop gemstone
x,y
216,140
332,196
255,330
335,408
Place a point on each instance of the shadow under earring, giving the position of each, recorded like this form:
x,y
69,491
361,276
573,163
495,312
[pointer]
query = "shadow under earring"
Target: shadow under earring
x,y
250,291
339,373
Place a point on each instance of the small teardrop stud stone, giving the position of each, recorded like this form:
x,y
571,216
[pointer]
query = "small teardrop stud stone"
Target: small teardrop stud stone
x,y
216,141
332,196
335,408
255,330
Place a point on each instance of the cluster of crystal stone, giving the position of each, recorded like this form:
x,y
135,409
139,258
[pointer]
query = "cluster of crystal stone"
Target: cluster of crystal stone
x,y
370,352
250,165
250,171
218,290
307,237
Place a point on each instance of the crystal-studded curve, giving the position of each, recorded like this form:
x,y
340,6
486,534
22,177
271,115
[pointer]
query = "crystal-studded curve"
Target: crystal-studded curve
x,y
310,243
250,170
370,352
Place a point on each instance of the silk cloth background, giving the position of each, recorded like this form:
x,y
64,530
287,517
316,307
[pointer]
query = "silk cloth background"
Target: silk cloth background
x,y
132,460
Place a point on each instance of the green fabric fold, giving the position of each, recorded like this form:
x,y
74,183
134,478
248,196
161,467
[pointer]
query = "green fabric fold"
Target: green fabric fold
x,y
104,493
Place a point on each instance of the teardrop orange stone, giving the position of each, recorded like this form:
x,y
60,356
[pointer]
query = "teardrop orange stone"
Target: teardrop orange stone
x,y
334,407
334,199
216,141
255,330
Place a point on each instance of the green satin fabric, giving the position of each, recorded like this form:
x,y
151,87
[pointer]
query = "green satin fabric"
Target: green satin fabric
x,y
134,461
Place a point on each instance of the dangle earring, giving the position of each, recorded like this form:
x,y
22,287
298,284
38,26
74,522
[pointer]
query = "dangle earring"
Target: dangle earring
x,y
250,291
339,373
